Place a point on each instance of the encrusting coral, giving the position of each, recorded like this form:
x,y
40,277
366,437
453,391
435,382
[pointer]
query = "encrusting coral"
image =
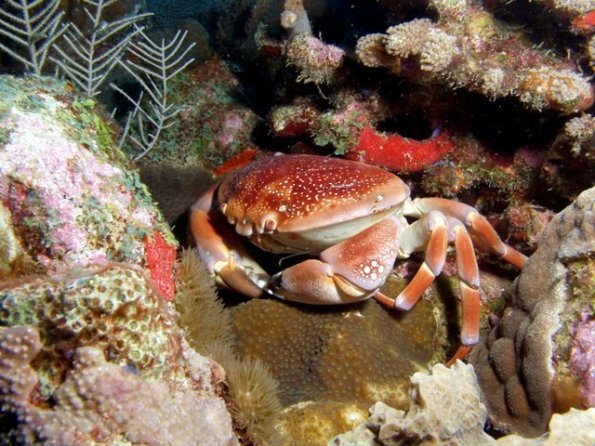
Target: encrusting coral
x,y
72,197
102,403
538,356
468,48
114,308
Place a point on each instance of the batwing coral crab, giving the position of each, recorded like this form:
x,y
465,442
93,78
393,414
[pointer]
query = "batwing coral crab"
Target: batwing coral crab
x,y
354,218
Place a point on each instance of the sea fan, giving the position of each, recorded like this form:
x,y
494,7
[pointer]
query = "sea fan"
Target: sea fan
x,y
157,64
33,25
89,57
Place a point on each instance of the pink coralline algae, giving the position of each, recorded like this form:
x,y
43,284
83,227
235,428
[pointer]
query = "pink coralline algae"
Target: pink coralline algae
x,y
72,199
582,356
100,402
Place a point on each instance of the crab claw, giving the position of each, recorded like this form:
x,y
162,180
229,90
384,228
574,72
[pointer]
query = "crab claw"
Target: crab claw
x,y
222,252
350,271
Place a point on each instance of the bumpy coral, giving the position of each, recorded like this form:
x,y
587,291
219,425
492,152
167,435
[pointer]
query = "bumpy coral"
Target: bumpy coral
x,y
469,48
316,61
575,427
114,308
536,357
72,198
444,409
101,402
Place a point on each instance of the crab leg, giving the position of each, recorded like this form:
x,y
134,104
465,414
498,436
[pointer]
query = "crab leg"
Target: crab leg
x,y
478,224
430,231
222,252
468,273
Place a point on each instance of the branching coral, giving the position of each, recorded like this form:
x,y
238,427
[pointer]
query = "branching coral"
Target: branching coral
x,y
469,48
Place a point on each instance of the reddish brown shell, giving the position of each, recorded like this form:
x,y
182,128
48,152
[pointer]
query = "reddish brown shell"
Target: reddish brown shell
x,y
307,191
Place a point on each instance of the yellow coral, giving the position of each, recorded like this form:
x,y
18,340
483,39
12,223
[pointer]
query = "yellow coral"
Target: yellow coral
x,y
351,354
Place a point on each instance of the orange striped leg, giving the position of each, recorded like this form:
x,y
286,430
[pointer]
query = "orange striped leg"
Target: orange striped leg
x,y
436,233
484,230
479,225
468,273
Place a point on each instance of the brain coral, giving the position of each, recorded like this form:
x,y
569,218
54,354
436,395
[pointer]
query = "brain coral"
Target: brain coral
x,y
539,356
113,308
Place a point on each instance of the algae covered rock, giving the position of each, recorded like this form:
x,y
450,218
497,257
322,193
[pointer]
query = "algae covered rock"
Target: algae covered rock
x,y
539,356
71,197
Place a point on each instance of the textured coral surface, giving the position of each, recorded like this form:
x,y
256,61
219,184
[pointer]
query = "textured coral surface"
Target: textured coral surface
x,y
72,198
536,357
102,403
426,421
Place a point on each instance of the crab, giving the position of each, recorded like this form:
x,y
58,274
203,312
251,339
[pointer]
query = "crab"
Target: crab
x,y
353,220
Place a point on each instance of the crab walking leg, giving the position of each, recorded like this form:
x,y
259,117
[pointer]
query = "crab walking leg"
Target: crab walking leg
x,y
222,253
349,271
430,231
478,224
468,273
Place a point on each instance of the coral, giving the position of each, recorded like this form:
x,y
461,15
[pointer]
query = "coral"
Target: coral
x,y
352,354
213,126
200,311
316,61
575,427
160,258
397,153
444,409
72,198
312,423
294,18
113,308
569,163
153,65
252,395
525,366
468,48
254,403
101,402
33,25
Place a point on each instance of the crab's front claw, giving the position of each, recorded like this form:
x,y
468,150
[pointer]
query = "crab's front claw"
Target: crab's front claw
x,y
223,254
350,271
313,282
